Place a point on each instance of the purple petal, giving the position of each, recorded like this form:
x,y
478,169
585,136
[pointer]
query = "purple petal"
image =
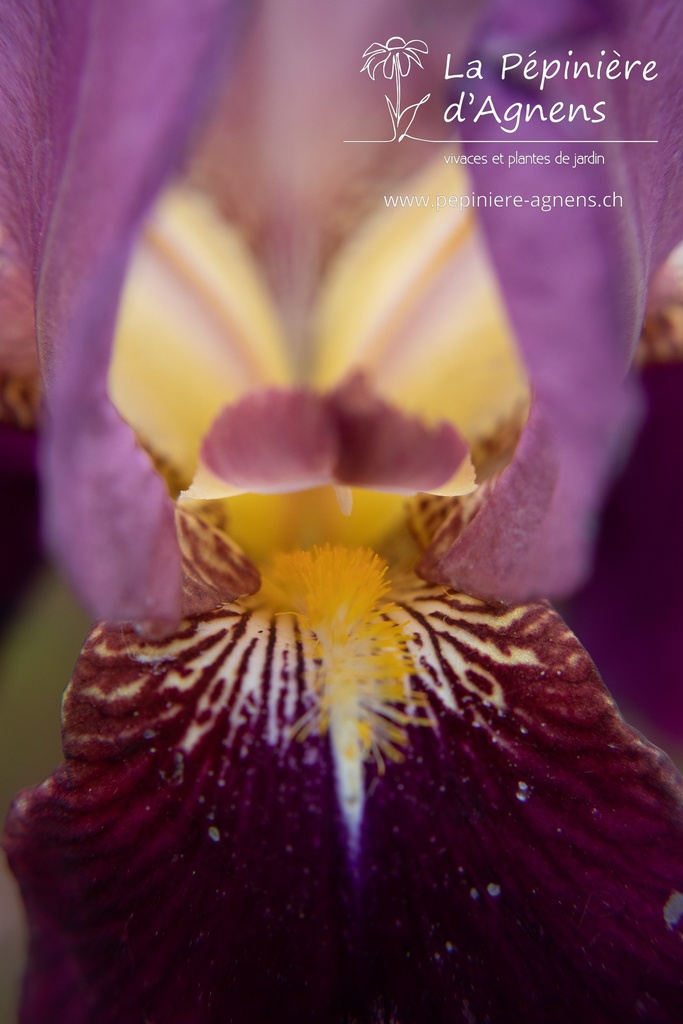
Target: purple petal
x,y
190,862
574,279
631,611
95,107
297,219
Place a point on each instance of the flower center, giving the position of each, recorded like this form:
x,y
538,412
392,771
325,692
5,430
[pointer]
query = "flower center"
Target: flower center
x,y
409,302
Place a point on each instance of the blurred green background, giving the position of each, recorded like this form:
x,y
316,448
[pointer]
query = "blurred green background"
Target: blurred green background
x,y
38,648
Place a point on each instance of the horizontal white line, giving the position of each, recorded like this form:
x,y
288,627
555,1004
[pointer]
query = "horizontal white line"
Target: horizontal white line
x,y
520,142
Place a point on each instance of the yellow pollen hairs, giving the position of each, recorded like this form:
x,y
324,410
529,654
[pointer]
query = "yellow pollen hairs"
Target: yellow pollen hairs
x,y
356,646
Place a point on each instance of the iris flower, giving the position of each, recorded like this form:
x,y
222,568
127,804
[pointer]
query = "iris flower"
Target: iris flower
x,y
330,754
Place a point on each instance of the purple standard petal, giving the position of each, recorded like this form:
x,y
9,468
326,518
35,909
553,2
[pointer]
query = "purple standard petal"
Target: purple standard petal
x,y
574,278
631,611
190,861
96,101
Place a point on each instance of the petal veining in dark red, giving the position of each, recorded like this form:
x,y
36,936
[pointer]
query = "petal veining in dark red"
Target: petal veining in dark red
x,y
215,569
189,861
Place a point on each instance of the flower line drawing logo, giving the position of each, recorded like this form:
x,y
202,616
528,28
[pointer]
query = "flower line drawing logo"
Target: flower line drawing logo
x,y
395,58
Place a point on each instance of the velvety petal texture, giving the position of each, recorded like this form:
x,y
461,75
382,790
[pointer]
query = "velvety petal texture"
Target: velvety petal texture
x,y
96,103
574,278
630,613
191,861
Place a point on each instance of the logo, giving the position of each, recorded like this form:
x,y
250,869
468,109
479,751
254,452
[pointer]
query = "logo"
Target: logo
x,y
396,58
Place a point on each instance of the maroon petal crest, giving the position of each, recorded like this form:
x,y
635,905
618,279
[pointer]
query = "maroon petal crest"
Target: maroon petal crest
x,y
189,861
273,439
279,440
382,448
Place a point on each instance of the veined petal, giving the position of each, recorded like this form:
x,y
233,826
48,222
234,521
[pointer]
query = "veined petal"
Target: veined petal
x,y
215,570
21,399
523,861
507,525
18,355
662,337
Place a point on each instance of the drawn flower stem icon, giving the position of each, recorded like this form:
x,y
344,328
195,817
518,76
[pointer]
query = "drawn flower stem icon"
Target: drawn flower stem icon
x,y
395,57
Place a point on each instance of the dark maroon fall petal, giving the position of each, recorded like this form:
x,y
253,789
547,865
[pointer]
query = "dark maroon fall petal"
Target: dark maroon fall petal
x,y
189,862
546,882
179,874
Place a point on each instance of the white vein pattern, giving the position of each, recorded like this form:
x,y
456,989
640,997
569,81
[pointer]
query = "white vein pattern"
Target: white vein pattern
x,y
233,676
